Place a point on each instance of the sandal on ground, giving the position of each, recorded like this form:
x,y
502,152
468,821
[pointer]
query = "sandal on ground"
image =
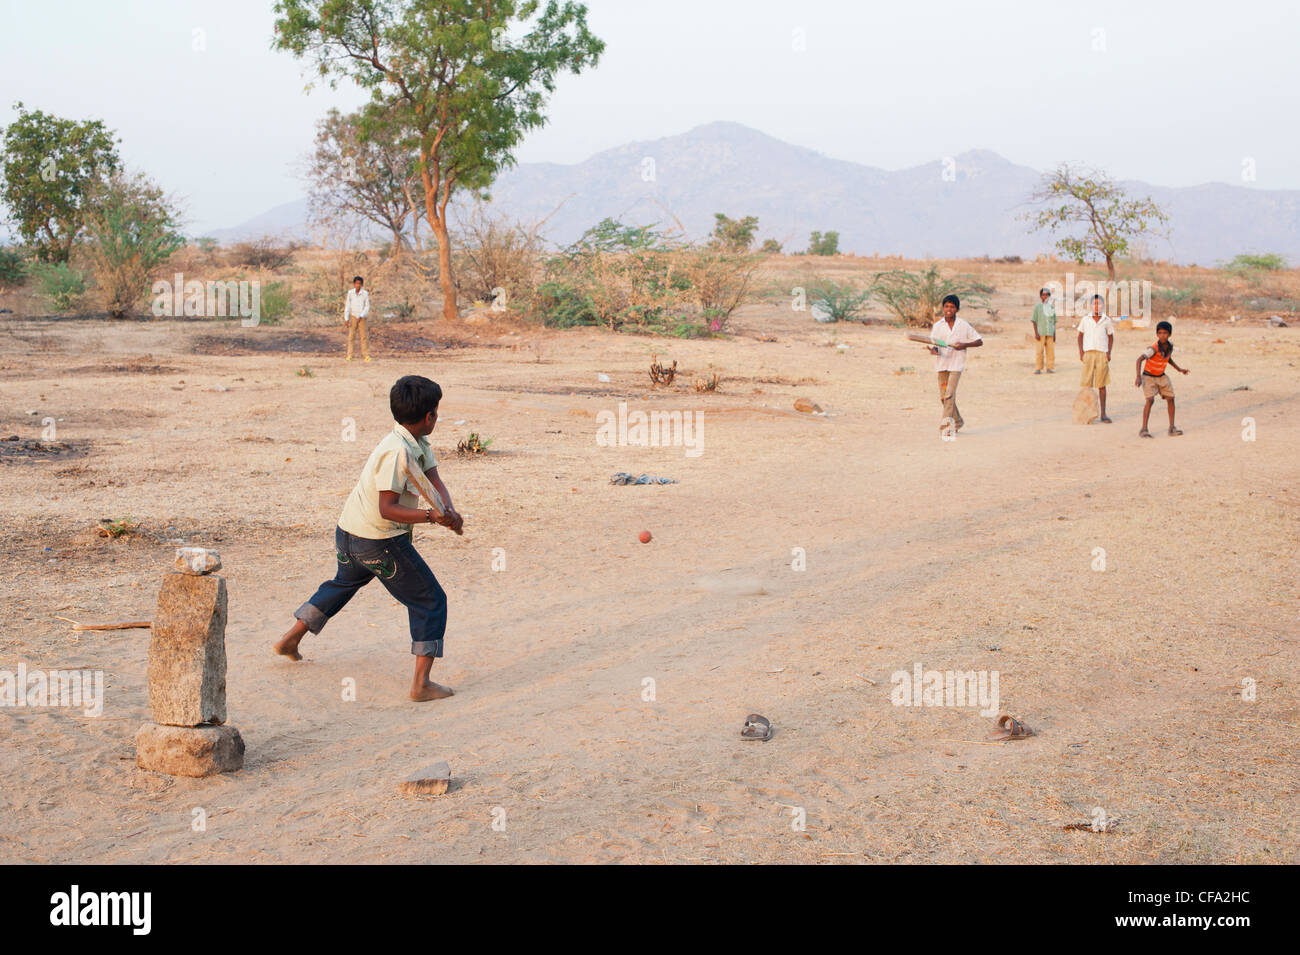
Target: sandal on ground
x,y
1175,432
1105,420
1008,728
757,727
1144,433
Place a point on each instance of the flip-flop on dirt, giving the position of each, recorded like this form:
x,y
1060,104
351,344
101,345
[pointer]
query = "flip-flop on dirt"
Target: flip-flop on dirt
x,y
757,727
1144,433
1009,728
1175,431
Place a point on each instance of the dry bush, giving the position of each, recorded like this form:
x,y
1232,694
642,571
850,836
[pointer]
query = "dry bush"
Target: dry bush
x,y
494,261
267,253
720,281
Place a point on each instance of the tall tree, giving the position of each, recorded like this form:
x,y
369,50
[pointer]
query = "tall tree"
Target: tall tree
x,y
1089,198
51,167
366,176
445,78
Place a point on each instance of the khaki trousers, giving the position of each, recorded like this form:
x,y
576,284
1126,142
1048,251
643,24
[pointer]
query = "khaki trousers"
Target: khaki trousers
x,y
948,395
356,325
1045,344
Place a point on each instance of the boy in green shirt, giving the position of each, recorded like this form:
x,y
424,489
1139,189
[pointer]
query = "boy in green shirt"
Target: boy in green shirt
x,y
1044,322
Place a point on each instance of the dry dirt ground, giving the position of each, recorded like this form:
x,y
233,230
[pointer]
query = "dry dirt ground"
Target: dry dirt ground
x,y
976,554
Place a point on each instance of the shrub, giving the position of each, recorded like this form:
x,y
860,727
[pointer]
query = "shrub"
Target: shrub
x,y
1265,261
133,230
494,261
267,253
1191,294
915,297
276,301
720,281
60,284
840,303
11,269
561,305
629,275
770,245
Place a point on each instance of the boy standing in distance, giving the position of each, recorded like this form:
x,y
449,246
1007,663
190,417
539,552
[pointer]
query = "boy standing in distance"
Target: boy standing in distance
x,y
1044,322
1096,337
373,537
1152,379
355,310
950,361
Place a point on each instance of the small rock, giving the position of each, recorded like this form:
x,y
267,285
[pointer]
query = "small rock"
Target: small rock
x,y
430,781
189,750
218,388
603,378
807,406
197,560
1276,321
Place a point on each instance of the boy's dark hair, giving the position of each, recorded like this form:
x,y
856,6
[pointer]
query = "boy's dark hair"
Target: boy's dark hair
x,y
413,397
952,298
357,278
1166,326
1097,298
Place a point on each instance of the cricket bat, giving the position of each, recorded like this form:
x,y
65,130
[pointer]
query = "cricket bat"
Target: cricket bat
x,y
422,484
926,340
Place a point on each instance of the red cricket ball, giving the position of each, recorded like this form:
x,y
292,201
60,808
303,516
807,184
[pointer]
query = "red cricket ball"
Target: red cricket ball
x,y
644,537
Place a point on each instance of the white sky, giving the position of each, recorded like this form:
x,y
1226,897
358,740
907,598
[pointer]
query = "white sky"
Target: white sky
x,y
1181,94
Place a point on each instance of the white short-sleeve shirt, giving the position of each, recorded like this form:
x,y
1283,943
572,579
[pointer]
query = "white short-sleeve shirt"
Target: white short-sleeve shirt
x,y
1096,331
953,359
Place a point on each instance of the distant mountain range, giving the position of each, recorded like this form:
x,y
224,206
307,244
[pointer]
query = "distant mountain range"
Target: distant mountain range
x,y
967,206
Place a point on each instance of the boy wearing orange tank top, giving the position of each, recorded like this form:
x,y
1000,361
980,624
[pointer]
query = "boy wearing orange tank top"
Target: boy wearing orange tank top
x,y
1153,380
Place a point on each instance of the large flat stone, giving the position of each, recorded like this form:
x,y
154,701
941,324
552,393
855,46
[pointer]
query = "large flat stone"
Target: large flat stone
x,y
1087,407
430,781
189,750
187,652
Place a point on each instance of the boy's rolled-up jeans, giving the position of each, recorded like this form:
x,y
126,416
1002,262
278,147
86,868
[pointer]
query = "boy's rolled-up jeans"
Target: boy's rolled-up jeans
x,y
400,568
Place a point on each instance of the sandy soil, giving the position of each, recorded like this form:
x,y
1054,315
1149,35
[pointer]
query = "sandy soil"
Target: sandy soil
x,y
968,555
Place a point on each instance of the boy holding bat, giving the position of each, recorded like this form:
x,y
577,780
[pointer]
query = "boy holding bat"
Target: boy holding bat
x,y
373,537
957,335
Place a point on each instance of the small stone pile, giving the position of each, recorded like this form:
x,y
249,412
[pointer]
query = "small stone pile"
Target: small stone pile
x,y
187,675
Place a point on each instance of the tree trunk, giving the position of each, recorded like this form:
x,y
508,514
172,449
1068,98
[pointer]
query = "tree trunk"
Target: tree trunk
x,y
449,312
1110,267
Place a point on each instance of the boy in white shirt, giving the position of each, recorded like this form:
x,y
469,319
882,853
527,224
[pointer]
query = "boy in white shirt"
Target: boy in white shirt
x,y
355,311
1096,338
950,361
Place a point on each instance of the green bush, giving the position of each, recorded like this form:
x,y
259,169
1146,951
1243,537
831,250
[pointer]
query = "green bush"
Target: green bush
x,y
1193,293
1265,261
770,245
12,271
61,285
276,302
915,297
841,303
561,305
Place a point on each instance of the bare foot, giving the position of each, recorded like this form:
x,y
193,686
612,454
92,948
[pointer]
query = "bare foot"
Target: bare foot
x,y
430,691
288,646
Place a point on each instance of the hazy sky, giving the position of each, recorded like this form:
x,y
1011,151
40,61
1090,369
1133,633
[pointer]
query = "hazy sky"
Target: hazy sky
x,y
1175,93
